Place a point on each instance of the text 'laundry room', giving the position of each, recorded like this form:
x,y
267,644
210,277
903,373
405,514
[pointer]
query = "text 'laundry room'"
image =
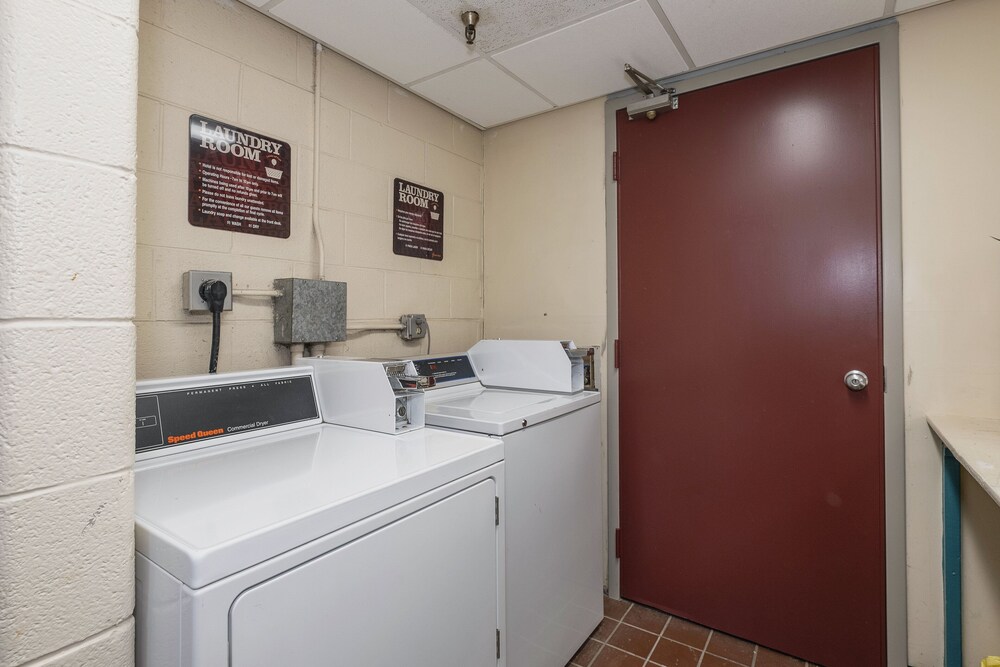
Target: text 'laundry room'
x,y
445,333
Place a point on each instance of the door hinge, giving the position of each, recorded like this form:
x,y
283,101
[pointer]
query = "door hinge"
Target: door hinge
x,y
498,643
618,542
884,385
617,352
496,509
614,165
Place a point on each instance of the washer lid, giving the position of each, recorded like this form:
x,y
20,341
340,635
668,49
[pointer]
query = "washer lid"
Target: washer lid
x,y
206,514
498,411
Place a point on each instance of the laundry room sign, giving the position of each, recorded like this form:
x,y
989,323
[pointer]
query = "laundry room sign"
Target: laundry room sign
x,y
417,220
238,180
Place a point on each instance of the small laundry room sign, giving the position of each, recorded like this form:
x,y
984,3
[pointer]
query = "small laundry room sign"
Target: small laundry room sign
x,y
417,220
238,180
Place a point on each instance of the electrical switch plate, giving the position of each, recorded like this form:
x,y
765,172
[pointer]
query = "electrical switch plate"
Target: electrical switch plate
x,y
414,326
192,280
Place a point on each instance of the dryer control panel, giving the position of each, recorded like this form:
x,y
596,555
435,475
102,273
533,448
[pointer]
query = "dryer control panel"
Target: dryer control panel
x,y
188,410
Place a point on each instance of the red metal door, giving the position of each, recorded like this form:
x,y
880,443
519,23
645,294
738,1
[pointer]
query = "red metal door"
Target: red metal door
x,y
749,275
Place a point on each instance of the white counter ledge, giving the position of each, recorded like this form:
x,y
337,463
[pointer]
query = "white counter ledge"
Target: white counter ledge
x,y
975,442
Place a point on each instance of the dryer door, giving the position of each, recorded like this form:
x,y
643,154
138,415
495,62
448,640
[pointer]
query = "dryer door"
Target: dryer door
x,y
420,591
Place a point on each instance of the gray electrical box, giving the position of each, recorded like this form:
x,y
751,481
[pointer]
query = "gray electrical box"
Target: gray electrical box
x,y
310,311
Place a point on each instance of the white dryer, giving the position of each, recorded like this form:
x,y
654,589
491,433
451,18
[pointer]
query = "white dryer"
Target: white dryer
x,y
266,537
552,453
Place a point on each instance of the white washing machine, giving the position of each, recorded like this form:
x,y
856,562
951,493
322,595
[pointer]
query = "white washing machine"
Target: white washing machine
x,y
266,537
552,452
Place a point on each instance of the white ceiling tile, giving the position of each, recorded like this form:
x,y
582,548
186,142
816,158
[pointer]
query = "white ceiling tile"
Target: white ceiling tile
x,y
391,37
506,22
717,30
483,93
587,60
908,5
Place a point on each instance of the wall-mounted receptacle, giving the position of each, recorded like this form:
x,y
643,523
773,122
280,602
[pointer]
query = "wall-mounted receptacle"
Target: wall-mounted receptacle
x,y
192,280
414,326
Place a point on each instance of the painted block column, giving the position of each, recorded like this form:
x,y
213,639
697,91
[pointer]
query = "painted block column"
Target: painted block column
x,y
68,84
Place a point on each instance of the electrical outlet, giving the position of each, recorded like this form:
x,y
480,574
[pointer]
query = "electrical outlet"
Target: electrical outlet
x,y
414,326
192,280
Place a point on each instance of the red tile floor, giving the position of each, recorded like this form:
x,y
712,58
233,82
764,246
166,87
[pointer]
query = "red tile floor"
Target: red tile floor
x,y
631,635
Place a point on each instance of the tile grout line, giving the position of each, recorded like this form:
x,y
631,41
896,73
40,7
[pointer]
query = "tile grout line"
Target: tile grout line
x,y
605,643
655,644
613,630
659,638
647,661
708,640
649,654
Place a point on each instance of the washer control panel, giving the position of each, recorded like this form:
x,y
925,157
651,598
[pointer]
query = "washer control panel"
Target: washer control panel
x,y
446,371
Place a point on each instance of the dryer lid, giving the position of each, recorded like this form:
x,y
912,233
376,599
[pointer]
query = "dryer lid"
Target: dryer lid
x,y
206,514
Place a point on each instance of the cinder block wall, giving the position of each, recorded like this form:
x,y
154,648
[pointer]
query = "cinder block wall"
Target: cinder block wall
x,y
228,62
67,344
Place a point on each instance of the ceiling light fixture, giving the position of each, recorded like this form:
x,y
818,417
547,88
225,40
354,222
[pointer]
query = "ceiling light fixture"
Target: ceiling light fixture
x,y
657,97
469,20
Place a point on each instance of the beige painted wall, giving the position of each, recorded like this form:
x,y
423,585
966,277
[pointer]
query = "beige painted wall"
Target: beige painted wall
x,y
545,248
224,60
545,245
950,90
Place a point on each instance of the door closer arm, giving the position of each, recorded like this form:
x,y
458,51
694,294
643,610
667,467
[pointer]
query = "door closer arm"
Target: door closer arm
x,y
657,97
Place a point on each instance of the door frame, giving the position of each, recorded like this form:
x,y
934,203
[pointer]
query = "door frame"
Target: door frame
x,y
885,34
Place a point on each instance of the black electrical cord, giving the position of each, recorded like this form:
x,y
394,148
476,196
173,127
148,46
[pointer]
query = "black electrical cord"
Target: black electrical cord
x,y
214,292
213,359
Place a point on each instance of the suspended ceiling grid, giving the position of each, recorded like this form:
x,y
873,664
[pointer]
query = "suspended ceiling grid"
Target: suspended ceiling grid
x,y
532,56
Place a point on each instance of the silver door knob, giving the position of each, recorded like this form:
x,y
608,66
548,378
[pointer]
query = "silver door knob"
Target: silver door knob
x,y
856,380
